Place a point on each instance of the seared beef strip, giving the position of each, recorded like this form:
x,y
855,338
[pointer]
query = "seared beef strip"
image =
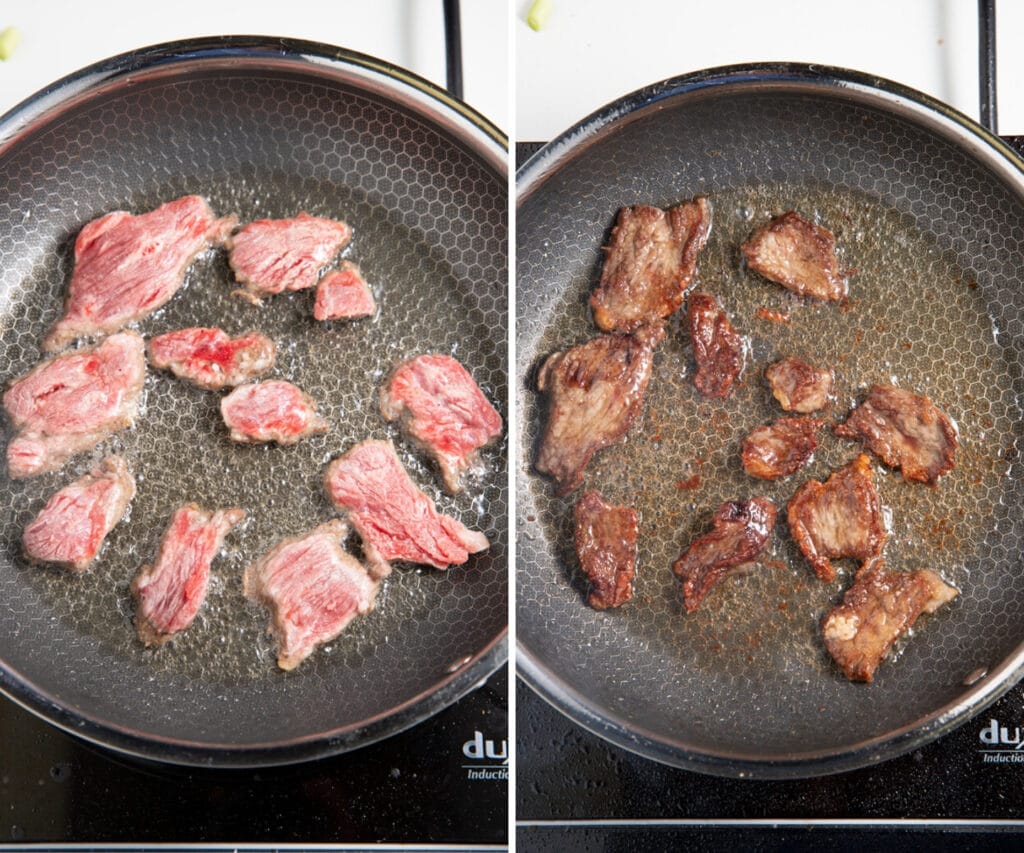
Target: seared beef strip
x,y
798,386
274,410
606,546
595,392
878,608
778,449
343,294
839,518
799,255
209,358
908,431
739,534
717,347
649,264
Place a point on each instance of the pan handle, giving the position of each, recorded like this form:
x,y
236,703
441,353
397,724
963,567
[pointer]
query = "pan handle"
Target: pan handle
x,y
987,64
453,47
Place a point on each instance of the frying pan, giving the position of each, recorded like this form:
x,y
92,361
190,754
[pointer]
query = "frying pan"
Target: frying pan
x,y
260,127
928,208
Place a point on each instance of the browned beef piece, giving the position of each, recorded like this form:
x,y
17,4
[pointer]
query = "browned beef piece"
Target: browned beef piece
x,y
606,545
778,449
839,518
878,608
649,264
799,255
908,431
595,391
799,386
739,533
717,347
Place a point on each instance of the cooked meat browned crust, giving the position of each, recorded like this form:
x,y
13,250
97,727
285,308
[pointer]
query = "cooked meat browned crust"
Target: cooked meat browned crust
x,y
839,518
595,392
717,347
799,386
908,431
799,255
606,545
739,533
775,450
649,264
876,610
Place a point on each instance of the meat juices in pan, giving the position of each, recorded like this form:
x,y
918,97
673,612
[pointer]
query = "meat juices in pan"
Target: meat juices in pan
x,y
128,266
70,529
839,518
906,430
875,611
799,386
271,411
606,538
443,411
343,294
781,448
211,359
717,347
799,255
740,531
649,264
313,589
595,391
71,402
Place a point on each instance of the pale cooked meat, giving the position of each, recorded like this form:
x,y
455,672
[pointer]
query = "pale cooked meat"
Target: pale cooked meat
x,y
649,264
841,517
313,589
70,529
169,592
128,266
799,255
879,608
908,431
799,386
717,347
740,531
343,294
606,546
210,358
595,391
443,410
71,402
274,410
395,520
778,449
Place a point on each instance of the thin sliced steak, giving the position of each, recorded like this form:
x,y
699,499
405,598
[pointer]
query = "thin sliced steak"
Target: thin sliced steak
x,y
799,255
70,529
799,386
271,411
606,546
649,264
717,347
394,518
876,611
781,448
595,391
169,592
313,589
71,402
443,410
128,266
343,294
210,358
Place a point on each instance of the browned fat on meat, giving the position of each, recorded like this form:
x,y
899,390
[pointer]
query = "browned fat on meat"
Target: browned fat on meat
x,y
595,391
343,294
908,431
70,529
717,347
799,255
799,386
839,518
781,448
740,531
210,358
875,612
606,538
274,410
649,264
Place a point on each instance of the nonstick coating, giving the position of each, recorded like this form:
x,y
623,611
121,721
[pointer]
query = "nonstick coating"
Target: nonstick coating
x,y
932,224
260,130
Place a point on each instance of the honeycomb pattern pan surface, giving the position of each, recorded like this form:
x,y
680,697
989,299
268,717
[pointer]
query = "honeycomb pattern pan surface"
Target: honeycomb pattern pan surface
x,y
930,215
261,129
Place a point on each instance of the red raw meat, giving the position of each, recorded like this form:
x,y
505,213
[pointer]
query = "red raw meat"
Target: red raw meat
x,y
210,358
271,411
443,410
128,266
313,589
395,519
70,529
170,592
343,294
70,403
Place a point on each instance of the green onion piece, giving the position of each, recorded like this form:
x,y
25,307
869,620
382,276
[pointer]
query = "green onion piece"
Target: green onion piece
x,y
538,15
9,39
